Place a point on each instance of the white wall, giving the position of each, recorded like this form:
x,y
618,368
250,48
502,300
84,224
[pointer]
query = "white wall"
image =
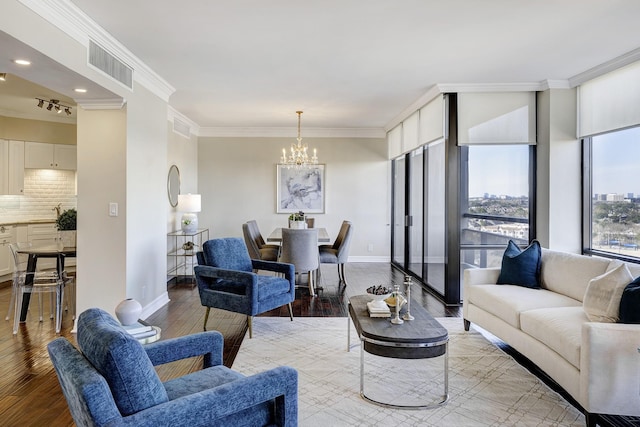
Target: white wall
x,y
559,172
237,181
146,177
182,152
102,176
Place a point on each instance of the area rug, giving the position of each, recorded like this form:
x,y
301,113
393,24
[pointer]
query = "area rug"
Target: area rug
x,y
486,386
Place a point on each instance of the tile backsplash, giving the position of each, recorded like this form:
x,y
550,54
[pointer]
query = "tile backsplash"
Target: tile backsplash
x,y
43,190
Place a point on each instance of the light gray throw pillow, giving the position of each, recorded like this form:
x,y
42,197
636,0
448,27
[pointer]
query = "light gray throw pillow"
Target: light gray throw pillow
x,y
601,300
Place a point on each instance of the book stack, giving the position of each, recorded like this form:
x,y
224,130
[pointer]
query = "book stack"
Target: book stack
x,y
378,309
140,331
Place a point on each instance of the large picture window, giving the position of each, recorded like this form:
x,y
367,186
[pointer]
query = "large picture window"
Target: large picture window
x,y
495,202
612,220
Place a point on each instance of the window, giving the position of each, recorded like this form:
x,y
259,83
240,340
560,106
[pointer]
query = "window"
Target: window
x,y
612,201
495,207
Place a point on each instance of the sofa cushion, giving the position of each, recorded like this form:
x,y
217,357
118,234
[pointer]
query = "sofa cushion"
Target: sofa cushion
x,y
630,303
121,360
521,267
558,328
569,274
602,297
508,301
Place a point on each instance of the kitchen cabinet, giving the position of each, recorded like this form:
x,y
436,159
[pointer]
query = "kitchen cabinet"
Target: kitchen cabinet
x,y
6,237
11,167
40,155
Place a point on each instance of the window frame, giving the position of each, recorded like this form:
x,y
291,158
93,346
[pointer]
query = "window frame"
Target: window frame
x,y
587,203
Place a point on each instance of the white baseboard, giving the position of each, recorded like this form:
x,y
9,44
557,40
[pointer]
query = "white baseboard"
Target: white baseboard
x,y
382,258
155,305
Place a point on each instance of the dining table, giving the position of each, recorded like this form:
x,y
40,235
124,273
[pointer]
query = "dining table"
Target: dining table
x,y
276,235
35,252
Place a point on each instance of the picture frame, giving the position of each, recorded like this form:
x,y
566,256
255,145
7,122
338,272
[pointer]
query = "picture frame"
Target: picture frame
x,y
300,189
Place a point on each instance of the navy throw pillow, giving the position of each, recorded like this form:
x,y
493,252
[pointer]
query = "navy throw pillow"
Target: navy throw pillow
x,y
521,267
630,303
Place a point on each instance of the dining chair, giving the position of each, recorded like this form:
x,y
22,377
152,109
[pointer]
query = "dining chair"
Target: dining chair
x,y
300,248
51,282
256,245
338,252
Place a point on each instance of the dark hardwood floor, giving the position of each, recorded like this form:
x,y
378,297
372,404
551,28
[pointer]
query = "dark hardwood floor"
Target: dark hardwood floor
x,y
30,394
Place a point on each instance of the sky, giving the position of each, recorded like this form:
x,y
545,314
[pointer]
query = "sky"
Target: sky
x,y
499,170
616,162
502,170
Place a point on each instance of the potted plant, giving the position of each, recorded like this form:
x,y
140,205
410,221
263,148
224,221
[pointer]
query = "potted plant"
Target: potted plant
x,y
297,220
66,224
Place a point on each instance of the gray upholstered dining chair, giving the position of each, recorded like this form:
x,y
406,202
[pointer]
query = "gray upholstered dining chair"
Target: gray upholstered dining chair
x,y
338,253
257,247
300,248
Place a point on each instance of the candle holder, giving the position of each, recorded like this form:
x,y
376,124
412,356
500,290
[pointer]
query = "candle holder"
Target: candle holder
x,y
407,288
396,293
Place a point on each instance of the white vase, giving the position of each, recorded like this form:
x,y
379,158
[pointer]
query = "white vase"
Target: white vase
x,y
297,224
128,311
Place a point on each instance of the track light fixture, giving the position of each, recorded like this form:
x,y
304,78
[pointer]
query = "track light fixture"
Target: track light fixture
x,y
3,77
54,103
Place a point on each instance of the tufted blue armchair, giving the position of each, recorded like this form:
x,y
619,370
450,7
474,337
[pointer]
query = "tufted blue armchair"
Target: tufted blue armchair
x,y
112,382
226,280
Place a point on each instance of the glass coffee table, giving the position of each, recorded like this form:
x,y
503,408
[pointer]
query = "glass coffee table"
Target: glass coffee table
x,y
421,338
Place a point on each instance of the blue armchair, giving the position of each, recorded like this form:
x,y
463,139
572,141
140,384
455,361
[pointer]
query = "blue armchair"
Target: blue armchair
x,y
112,382
226,280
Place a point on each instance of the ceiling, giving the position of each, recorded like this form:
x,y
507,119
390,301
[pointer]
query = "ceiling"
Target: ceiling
x,y
356,64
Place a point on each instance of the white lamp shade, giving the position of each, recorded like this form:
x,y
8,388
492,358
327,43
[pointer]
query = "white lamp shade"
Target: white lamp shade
x,y
189,202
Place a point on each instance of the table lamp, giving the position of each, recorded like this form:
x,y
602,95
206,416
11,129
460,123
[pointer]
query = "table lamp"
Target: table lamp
x,y
189,204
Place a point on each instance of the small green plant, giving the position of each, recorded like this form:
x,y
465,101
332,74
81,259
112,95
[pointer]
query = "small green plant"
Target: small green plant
x,y
67,220
297,216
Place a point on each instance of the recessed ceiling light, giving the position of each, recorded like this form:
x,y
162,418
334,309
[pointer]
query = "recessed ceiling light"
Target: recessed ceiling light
x,y
80,90
22,62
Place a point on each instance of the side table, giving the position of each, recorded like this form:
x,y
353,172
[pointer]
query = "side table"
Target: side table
x,y
182,254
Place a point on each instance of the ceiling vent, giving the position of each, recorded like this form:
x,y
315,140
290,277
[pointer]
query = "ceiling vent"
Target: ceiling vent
x,y
181,128
110,65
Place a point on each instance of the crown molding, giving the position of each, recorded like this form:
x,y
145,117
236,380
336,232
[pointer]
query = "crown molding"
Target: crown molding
x,y
554,84
430,95
101,104
286,132
173,114
56,118
606,67
68,18
489,87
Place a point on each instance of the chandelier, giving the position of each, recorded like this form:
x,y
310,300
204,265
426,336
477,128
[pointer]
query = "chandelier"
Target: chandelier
x,y
298,156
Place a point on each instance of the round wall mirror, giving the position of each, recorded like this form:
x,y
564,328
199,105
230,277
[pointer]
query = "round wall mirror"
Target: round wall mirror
x,y
173,185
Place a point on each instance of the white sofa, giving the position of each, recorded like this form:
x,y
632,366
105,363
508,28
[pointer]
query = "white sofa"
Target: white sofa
x,y
596,363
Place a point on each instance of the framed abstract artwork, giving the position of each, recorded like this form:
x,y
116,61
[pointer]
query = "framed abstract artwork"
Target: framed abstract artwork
x,y
300,189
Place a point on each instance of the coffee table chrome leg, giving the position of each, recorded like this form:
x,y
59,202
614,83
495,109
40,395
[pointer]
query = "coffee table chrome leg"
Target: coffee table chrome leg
x,y
445,396
348,334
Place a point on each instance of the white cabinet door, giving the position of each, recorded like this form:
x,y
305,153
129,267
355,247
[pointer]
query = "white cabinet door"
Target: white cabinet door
x,y
43,234
4,166
16,168
65,157
38,155
6,237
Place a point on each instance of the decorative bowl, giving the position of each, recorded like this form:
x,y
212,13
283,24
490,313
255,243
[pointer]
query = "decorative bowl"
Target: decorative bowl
x,y
379,292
